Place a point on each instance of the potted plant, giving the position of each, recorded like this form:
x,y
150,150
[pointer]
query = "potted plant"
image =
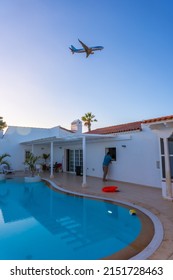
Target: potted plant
x,y
3,162
45,157
31,161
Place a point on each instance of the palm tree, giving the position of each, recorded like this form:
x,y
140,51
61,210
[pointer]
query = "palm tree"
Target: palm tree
x,y
88,118
2,161
2,124
31,162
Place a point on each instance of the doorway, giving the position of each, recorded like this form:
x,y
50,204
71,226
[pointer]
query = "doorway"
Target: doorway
x,y
74,158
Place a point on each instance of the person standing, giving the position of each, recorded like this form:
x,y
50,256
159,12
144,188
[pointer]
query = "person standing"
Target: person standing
x,y
107,160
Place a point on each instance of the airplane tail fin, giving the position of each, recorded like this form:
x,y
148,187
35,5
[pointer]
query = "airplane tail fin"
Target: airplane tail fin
x,y
73,49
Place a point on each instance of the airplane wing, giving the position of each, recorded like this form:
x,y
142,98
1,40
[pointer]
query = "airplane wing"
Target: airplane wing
x,y
89,50
84,46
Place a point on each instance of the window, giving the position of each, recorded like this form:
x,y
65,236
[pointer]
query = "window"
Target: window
x,y
112,152
170,147
162,157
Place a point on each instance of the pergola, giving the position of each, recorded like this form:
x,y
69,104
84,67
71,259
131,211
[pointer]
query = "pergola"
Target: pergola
x,y
71,139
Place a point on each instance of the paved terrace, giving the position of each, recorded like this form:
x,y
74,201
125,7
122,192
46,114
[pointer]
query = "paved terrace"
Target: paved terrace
x,y
146,197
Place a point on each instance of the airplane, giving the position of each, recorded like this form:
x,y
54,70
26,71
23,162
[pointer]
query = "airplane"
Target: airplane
x,y
85,49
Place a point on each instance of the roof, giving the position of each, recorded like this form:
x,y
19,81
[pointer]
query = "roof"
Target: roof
x,y
127,127
66,129
68,139
161,119
118,128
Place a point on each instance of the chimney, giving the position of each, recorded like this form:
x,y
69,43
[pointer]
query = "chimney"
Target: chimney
x,y
76,126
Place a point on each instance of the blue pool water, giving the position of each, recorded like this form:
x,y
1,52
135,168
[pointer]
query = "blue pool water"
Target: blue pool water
x,y
39,223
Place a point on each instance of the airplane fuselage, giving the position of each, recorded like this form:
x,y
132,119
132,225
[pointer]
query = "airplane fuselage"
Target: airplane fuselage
x,y
90,50
86,49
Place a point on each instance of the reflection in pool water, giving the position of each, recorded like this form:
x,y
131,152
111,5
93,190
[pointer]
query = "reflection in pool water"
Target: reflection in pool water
x,y
39,223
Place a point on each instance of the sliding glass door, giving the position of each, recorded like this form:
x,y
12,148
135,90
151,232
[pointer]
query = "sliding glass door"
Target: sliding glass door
x,y
74,158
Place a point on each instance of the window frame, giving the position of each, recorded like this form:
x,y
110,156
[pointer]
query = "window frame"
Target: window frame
x,y
112,151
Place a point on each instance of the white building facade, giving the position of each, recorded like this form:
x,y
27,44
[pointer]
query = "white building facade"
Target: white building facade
x,y
143,151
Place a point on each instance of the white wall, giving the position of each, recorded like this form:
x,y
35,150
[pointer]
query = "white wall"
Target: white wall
x,y
16,152
10,143
136,163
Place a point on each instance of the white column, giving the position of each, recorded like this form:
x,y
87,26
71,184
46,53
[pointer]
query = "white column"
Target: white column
x,y
32,149
51,160
168,191
84,161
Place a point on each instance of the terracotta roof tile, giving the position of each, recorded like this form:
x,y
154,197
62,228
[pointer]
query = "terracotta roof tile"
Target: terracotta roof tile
x,y
127,127
166,118
117,128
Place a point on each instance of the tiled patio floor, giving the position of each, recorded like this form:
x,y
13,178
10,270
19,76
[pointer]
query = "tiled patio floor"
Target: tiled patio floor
x,y
146,197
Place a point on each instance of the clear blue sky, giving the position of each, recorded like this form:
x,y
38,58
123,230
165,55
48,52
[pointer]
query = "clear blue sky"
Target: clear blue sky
x,y
43,85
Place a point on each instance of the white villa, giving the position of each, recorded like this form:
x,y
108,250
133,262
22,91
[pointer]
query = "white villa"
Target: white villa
x,y
142,151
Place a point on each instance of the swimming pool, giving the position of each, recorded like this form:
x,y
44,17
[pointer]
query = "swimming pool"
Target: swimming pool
x,y
37,222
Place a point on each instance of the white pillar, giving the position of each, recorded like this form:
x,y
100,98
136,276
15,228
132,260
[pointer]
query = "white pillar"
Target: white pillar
x,y
84,161
32,149
168,191
51,160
